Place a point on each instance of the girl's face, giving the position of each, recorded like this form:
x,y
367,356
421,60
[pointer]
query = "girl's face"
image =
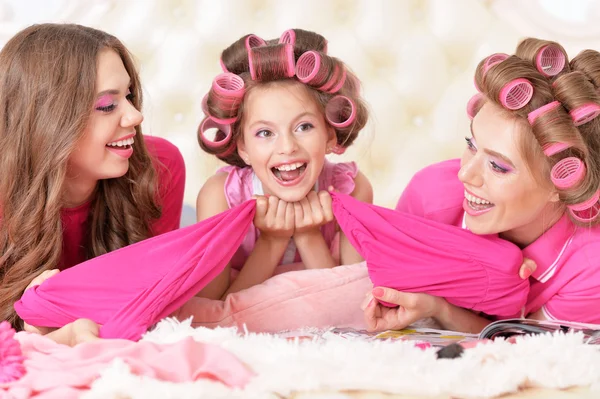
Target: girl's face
x,y
502,194
285,139
107,144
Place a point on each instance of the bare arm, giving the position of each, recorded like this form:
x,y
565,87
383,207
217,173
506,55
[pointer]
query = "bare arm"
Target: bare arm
x,y
363,191
453,318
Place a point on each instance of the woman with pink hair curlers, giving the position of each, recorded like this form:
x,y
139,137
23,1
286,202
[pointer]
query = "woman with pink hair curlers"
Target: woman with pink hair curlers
x,y
279,107
530,174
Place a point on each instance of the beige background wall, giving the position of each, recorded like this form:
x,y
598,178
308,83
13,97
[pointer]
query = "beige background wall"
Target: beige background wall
x,y
415,58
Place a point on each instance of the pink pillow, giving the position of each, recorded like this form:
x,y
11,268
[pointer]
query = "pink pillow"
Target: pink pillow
x,y
295,299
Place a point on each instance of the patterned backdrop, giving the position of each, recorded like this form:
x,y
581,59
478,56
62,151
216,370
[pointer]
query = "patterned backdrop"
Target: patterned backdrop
x,y
415,58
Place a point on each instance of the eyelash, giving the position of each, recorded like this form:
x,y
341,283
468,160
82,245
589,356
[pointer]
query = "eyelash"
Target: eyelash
x,y
306,125
494,165
111,107
258,134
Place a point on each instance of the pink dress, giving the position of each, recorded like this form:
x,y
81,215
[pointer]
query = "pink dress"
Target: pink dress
x,y
242,184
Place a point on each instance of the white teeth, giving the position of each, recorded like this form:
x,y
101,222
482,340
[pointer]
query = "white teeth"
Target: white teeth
x,y
121,143
477,200
291,166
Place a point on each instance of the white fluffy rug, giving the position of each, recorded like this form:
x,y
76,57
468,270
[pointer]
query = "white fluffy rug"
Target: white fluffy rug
x,y
286,366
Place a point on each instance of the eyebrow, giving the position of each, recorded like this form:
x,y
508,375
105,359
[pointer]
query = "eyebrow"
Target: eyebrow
x,y
493,153
114,92
299,116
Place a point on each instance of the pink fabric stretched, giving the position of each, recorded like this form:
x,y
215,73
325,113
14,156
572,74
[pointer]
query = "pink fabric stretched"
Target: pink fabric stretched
x,y
413,254
130,289
55,371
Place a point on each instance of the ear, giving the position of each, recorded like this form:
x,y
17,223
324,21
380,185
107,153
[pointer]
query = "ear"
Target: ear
x,y
241,149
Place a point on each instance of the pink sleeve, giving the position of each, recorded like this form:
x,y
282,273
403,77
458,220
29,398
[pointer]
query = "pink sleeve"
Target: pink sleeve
x,y
171,179
342,177
410,201
579,298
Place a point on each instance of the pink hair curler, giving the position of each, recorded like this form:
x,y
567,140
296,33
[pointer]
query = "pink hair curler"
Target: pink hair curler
x,y
550,60
338,149
286,58
205,104
289,37
336,82
309,66
475,84
325,47
473,104
584,113
567,173
533,115
229,85
340,112
555,148
340,83
492,60
582,206
516,94
254,41
586,215
228,152
290,61
208,124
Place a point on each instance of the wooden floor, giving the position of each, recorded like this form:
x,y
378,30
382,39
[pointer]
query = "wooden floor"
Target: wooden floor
x,y
578,393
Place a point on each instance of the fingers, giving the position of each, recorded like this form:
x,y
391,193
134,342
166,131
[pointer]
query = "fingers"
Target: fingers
x,y
371,315
390,295
326,205
368,299
42,277
289,216
527,268
262,205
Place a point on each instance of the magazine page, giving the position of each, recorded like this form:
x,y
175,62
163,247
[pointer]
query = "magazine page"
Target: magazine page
x,y
512,327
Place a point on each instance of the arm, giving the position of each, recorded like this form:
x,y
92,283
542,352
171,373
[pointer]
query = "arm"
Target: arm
x,y
363,191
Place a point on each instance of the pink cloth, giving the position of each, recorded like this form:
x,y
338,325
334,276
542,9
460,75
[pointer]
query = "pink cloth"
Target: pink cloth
x,y
413,254
57,371
566,283
130,289
171,181
241,184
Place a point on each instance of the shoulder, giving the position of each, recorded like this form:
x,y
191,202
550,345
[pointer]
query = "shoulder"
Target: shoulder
x,y
211,198
165,152
435,191
346,178
363,190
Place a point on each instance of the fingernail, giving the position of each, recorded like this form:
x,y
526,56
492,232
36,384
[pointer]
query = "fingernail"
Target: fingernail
x,y
526,274
377,292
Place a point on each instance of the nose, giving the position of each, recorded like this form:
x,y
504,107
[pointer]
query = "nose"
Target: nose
x,y
287,144
132,117
470,172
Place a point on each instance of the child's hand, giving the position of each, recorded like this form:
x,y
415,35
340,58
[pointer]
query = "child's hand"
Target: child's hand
x,y
274,218
312,212
527,268
37,281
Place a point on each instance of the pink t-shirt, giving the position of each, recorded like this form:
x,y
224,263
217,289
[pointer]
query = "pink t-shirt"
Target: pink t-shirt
x,y
171,180
566,283
241,184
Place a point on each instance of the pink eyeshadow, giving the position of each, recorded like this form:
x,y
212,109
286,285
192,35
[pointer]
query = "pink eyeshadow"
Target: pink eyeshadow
x,y
104,101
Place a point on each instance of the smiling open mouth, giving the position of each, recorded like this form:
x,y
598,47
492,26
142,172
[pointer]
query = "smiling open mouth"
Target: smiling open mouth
x,y
289,172
477,204
121,144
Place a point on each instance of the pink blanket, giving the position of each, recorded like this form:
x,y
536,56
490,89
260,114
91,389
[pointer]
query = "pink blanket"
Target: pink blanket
x,y
58,371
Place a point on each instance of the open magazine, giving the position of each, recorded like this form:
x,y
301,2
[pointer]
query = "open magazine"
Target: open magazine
x,y
426,337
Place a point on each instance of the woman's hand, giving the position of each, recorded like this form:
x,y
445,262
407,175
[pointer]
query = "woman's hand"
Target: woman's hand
x,y
37,281
274,218
312,212
411,308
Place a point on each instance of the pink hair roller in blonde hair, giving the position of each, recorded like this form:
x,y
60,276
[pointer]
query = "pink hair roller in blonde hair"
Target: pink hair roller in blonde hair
x,y
586,211
516,94
254,41
289,37
208,124
567,173
287,58
555,148
309,66
473,104
492,60
585,113
533,115
340,112
550,60
331,86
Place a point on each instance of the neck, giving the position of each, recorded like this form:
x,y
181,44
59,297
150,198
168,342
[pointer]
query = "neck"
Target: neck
x,y
525,235
78,191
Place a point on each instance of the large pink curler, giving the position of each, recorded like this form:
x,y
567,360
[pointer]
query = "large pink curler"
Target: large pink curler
x,y
586,211
584,113
289,60
340,112
289,37
582,206
229,85
492,60
232,148
340,83
516,94
205,105
473,104
550,60
254,41
286,58
208,124
567,173
555,148
308,67
533,115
